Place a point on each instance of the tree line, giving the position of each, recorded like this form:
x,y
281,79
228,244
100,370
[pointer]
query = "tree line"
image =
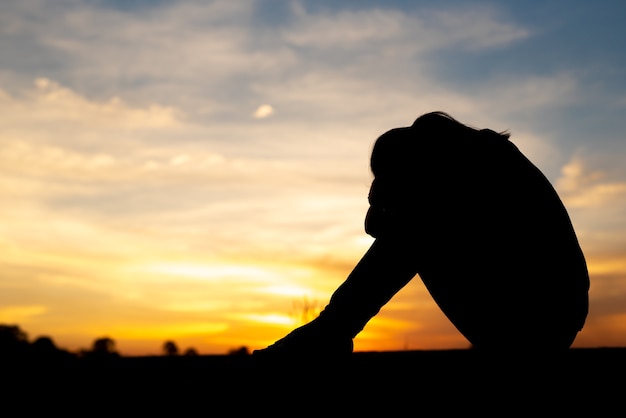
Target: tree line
x,y
15,344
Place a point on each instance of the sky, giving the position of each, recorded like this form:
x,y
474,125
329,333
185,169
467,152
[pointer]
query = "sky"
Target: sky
x,y
197,171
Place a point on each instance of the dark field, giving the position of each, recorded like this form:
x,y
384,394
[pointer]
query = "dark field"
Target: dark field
x,y
408,383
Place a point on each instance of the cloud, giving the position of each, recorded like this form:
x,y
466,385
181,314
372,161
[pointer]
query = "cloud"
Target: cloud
x,y
20,314
533,92
420,31
57,142
584,187
594,193
39,115
179,55
263,111
127,186
53,102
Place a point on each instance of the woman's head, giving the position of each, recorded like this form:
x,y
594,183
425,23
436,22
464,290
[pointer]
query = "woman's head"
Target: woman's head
x,y
435,140
427,165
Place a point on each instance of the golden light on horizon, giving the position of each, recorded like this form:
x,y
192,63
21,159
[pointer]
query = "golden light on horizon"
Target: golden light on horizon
x,y
276,319
159,330
211,272
606,265
18,314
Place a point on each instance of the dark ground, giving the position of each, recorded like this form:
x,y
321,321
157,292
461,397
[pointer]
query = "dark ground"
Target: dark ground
x,y
409,383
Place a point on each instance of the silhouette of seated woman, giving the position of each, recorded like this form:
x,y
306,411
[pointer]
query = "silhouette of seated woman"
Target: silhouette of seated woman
x,y
482,227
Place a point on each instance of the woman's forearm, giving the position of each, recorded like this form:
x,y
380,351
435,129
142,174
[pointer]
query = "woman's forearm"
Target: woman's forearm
x,y
384,269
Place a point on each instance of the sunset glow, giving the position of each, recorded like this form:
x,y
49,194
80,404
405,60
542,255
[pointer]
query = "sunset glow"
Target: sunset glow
x,y
191,171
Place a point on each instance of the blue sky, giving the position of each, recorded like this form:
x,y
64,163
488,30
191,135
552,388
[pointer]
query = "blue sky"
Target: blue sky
x,y
178,169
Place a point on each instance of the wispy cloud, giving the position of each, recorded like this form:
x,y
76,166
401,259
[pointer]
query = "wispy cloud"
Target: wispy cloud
x,y
583,187
417,33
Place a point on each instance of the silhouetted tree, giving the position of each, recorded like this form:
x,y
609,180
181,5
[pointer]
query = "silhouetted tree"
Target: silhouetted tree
x,y
13,340
45,350
104,348
104,345
44,346
191,352
240,351
170,348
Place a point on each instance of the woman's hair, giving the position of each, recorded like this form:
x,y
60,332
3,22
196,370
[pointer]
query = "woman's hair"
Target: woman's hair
x,y
434,140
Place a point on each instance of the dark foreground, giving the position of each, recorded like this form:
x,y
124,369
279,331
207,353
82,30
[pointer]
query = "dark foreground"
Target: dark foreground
x,y
390,384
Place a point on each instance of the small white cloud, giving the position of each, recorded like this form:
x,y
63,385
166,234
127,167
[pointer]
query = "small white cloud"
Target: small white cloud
x,y
43,83
263,111
180,159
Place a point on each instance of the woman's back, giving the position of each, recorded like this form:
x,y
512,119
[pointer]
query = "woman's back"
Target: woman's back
x,y
493,242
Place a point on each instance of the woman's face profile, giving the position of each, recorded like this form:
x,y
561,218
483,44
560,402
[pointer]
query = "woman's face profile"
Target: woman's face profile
x,y
384,203
375,213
